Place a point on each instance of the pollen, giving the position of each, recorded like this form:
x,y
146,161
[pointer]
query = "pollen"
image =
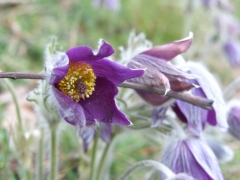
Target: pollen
x,y
79,81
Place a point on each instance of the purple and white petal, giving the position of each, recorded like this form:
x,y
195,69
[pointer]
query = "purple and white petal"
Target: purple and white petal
x,y
163,66
234,120
192,156
158,115
87,134
70,110
221,150
211,90
196,117
151,77
232,50
106,132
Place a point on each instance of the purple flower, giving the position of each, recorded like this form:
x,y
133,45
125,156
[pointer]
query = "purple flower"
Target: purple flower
x,y
192,156
232,50
84,86
224,4
109,4
196,117
159,72
234,121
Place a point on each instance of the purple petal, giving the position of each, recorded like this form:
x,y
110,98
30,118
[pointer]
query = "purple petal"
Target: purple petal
x,y
101,104
151,77
232,50
196,117
58,74
205,158
87,134
112,4
221,151
170,50
192,156
234,122
158,115
151,98
162,66
179,113
70,110
85,53
212,91
177,85
106,132
113,71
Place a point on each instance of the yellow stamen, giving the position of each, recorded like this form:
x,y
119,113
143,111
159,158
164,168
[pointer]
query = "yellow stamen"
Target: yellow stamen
x,y
79,81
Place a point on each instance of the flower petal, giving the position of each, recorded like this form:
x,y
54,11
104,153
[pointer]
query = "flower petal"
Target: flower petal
x,y
170,50
87,134
192,156
163,66
196,117
86,54
58,74
101,105
151,98
205,158
151,77
232,50
223,152
113,71
158,115
70,110
211,90
106,132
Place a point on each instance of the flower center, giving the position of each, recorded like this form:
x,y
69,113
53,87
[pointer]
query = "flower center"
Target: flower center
x,y
79,81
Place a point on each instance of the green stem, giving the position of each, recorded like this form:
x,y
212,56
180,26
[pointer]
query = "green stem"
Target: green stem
x,y
28,175
100,167
11,89
40,157
94,151
53,153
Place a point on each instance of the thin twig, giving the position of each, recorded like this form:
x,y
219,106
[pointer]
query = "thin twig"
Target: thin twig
x,y
20,75
195,100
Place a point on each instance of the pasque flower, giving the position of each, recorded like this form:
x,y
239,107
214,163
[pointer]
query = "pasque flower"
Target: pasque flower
x,y
234,121
159,72
232,50
109,4
84,86
192,156
196,117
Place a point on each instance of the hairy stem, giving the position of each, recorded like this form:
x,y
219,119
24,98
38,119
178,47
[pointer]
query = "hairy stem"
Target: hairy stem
x,y
231,89
147,163
53,153
11,89
94,152
40,157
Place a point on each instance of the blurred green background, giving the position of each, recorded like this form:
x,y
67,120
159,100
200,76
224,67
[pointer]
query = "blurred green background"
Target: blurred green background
x,y
27,27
